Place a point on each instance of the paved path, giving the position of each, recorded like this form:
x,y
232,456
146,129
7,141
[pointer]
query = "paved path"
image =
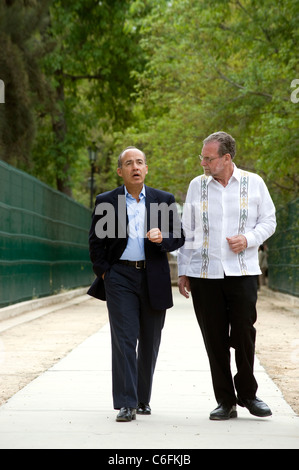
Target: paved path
x,y
70,405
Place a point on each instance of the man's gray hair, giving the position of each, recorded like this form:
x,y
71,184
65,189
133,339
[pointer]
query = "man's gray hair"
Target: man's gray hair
x,y
119,162
227,143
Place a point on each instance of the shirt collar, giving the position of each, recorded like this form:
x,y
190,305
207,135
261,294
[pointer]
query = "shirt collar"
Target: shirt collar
x,y
141,195
236,174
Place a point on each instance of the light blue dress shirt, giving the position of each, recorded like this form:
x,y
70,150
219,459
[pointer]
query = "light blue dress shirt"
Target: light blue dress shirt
x,y
136,214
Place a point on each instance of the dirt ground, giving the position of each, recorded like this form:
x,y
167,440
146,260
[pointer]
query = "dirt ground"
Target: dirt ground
x,y
29,346
277,343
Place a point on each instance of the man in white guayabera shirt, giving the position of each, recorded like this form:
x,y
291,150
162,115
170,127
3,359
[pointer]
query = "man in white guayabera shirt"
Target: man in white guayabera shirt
x,y
228,214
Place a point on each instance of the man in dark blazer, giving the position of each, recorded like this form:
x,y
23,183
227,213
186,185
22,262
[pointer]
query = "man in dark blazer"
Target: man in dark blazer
x,y
133,227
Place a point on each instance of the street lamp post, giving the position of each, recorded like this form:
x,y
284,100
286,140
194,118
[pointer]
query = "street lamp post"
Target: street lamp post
x,y
92,158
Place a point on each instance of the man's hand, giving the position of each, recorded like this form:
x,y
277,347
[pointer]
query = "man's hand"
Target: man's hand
x,y
154,235
184,286
237,243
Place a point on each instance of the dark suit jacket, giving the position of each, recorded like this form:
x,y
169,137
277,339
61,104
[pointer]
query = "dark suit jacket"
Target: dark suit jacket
x,y
109,221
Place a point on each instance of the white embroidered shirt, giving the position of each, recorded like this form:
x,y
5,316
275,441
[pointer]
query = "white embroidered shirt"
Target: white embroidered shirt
x,y
212,213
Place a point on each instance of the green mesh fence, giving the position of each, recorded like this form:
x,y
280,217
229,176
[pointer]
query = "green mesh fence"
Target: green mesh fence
x,y
43,239
284,250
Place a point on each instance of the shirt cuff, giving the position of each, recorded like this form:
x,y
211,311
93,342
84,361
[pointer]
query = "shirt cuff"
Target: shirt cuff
x,y
251,241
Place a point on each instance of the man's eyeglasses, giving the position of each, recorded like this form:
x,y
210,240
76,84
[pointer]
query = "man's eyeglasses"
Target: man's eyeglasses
x,y
207,159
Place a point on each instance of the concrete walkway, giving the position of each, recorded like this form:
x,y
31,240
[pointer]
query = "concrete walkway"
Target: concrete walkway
x,y
70,405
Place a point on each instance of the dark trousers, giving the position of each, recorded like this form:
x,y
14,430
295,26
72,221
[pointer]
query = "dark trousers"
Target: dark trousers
x,y
226,312
135,335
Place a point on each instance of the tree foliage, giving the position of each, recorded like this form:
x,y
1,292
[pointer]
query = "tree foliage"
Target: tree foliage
x,y
220,65
90,69
67,70
158,74
21,26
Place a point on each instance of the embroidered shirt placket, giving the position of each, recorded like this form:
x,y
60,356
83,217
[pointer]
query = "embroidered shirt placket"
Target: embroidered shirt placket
x,y
205,225
243,218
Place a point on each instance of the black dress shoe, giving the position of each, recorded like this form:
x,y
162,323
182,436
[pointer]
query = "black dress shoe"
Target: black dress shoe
x,y
143,409
223,412
256,407
126,414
